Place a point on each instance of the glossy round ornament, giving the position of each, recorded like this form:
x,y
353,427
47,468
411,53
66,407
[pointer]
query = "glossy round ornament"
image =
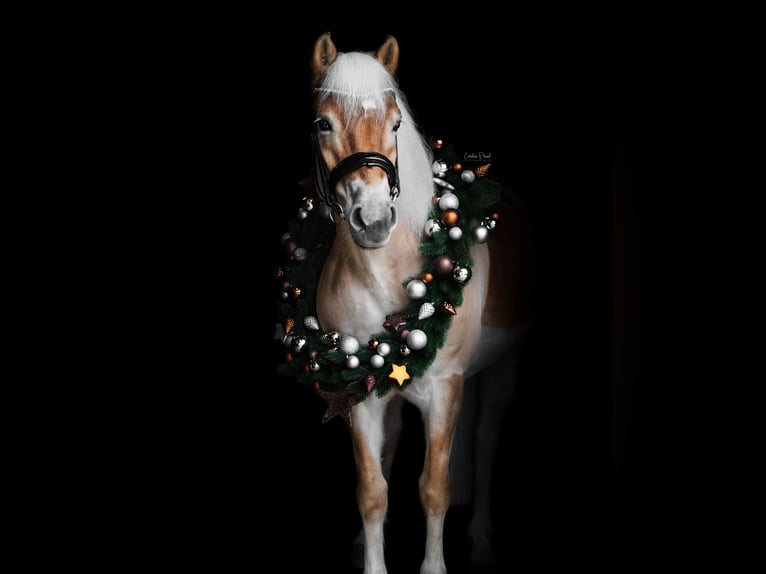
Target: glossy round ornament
x,y
416,289
417,339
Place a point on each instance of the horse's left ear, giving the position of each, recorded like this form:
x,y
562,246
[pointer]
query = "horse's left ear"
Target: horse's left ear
x,y
388,54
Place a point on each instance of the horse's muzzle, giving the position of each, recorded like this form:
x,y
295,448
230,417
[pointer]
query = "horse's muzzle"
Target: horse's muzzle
x,y
372,228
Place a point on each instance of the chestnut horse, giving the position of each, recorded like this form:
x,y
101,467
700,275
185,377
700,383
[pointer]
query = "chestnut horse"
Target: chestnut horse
x,y
378,181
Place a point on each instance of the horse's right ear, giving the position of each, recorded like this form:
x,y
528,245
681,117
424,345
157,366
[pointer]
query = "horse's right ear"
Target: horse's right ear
x,y
325,53
388,54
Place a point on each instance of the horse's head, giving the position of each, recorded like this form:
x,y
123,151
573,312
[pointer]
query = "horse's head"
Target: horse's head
x,y
355,134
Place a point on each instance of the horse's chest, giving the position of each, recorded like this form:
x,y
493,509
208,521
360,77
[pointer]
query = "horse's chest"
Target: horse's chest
x,y
356,310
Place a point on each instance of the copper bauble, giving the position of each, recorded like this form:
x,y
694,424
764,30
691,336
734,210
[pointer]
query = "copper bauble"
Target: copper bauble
x,y
443,265
449,217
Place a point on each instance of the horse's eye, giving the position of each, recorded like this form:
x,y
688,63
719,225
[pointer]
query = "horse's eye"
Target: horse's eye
x,y
323,125
397,125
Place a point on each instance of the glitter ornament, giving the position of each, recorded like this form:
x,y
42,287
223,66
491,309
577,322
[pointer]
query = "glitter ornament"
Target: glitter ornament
x,y
426,310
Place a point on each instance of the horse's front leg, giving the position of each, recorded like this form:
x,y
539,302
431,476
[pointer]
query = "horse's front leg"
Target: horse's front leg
x,y
440,417
372,488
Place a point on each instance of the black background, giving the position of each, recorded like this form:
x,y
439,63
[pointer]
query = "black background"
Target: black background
x,y
243,469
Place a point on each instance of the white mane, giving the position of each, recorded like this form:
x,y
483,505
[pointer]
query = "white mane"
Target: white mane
x,y
356,79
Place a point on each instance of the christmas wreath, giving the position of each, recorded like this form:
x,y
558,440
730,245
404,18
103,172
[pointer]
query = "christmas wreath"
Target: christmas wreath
x,y
343,370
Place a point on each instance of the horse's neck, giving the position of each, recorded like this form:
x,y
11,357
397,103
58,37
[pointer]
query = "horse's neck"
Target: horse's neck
x,y
358,287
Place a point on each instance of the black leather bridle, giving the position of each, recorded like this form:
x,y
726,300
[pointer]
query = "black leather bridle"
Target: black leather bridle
x,y
326,181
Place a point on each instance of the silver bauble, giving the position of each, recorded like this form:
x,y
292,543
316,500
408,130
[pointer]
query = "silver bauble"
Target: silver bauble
x,y
449,201
443,184
480,233
383,349
461,273
331,338
417,339
300,253
349,344
352,361
455,233
432,226
416,289
299,342
439,168
468,176
377,361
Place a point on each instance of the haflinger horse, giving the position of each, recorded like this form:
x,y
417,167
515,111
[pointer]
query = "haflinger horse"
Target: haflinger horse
x,y
378,182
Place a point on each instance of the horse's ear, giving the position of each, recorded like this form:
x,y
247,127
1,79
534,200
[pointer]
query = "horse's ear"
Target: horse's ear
x,y
325,53
388,54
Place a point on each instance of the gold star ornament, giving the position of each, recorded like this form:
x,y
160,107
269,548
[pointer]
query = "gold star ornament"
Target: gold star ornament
x,y
399,373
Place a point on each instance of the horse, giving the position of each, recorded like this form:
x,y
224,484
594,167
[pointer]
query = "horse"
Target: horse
x,y
403,238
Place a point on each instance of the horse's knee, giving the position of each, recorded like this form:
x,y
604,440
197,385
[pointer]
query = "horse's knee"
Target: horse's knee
x,y
372,497
435,492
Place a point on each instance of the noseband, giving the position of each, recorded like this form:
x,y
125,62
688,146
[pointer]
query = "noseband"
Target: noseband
x,y
326,182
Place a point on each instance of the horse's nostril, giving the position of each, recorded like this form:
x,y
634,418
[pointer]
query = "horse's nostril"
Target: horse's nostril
x,y
393,216
356,219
